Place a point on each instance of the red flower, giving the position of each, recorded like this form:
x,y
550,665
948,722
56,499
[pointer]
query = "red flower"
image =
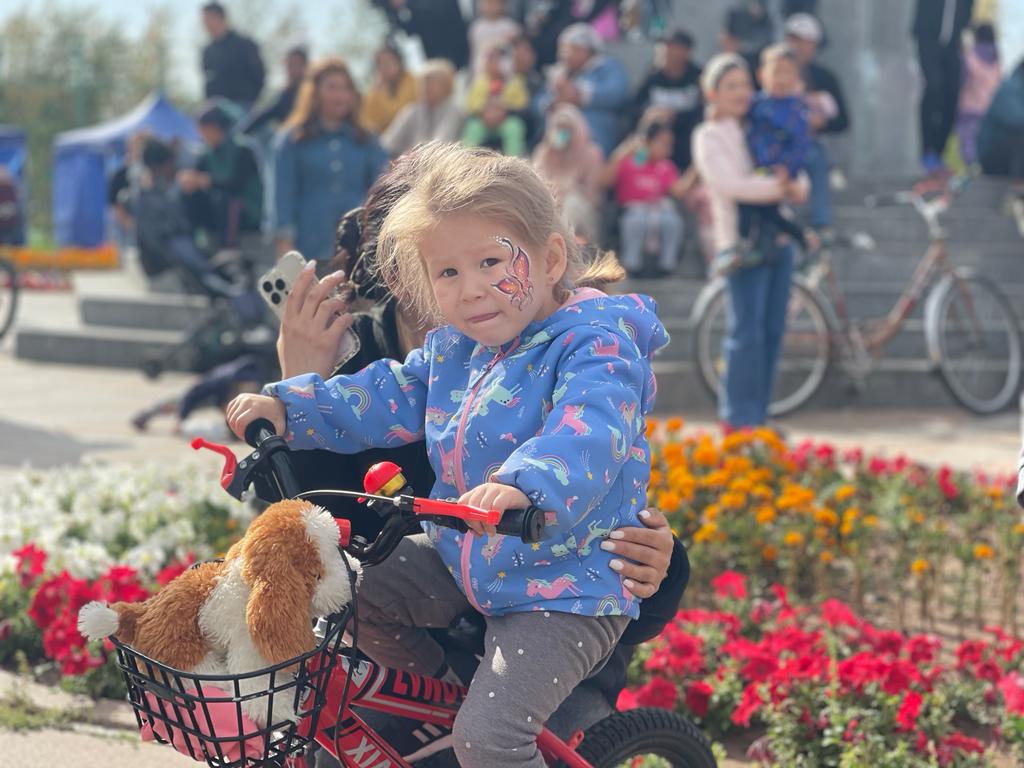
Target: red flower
x,y
851,734
750,702
910,709
970,652
657,692
922,648
730,584
1012,688
957,740
988,670
853,456
838,614
30,562
175,569
698,697
877,466
626,700
121,583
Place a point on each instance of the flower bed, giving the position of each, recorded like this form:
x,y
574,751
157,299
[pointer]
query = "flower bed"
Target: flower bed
x,y
774,532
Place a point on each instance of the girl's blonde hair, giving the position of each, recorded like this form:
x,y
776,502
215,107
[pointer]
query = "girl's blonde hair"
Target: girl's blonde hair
x,y
478,182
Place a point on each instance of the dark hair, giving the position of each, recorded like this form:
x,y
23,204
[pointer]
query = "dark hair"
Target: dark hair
x,y
216,9
298,50
157,153
655,129
678,36
985,33
304,121
214,113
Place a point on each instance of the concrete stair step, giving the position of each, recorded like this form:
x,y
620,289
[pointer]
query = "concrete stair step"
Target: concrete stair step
x,y
980,192
94,345
164,312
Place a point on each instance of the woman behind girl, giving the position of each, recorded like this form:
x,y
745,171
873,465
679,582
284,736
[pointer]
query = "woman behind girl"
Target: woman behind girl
x,y
535,392
759,294
433,116
324,162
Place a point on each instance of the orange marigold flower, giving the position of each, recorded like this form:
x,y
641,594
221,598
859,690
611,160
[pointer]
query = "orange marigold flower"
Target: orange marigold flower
x,y
765,514
920,565
1019,528
871,521
732,500
669,501
674,424
762,491
674,453
716,479
769,553
652,424
705,453
711,512
844,492
826,557
657,478
983,552
826,516
793,539
705,533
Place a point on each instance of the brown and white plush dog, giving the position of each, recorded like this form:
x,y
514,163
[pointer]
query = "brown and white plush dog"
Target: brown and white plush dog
x,y
253,610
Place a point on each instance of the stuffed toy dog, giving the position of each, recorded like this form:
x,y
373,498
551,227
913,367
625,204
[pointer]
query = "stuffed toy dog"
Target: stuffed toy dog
x,y
253,610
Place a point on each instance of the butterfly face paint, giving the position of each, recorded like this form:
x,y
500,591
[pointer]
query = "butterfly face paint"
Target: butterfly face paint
x,y
516,284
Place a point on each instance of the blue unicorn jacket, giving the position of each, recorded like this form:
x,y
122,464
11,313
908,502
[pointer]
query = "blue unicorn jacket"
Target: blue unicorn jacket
x,y
557,412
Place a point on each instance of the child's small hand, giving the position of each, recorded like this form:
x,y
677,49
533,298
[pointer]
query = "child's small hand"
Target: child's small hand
x,y
245,409
493,496
781,174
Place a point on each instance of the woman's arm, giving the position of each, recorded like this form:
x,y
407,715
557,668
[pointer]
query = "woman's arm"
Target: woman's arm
x,y
644,553
717,162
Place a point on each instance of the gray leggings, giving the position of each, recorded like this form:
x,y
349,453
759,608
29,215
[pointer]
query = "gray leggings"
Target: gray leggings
x,y
642,220
532,661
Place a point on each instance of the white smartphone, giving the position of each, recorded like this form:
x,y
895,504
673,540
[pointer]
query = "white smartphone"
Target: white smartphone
x,y
276,283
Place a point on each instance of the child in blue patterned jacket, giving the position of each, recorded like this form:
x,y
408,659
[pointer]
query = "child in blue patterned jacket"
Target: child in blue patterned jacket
x,y
535,391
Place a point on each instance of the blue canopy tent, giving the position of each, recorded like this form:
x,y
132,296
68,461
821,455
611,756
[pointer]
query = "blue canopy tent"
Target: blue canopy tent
x,y
14,157
84,159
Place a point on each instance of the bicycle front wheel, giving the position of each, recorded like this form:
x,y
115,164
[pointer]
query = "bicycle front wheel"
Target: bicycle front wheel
x,y
974,339
653,738
8,296
804,359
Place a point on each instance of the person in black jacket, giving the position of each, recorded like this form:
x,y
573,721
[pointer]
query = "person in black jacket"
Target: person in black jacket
x,y
296,61
437,23
232,67
937,27
312,331
674,89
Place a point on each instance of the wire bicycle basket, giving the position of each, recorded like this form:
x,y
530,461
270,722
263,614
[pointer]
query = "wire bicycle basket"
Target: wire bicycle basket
x,y
207,717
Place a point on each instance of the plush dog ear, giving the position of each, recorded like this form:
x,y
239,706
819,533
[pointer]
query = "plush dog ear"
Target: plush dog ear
x,y
279,563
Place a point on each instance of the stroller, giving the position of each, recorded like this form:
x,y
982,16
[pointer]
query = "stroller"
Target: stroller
x,y
236,321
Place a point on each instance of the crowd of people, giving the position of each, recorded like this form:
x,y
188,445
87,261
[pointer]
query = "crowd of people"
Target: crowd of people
x,y
735,149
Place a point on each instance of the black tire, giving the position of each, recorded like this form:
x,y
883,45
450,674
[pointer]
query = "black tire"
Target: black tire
x,y
647,731
975,341
8,296
805,358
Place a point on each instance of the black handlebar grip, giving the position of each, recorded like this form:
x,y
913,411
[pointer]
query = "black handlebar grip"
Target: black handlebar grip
x,y
258,431
527,524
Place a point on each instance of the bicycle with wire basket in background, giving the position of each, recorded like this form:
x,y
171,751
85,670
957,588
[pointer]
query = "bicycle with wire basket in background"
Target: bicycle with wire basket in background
x,y
971,331
9,289
203,715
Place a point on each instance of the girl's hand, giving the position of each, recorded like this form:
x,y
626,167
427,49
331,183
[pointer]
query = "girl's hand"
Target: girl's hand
x,y
245,409
313,323
493,496
649,551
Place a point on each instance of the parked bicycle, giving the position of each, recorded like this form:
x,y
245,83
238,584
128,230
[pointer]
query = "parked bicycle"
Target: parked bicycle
x,y
325,683
972,335
8,295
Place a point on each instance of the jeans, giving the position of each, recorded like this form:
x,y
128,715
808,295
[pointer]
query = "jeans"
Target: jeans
x,y
758,298
820,202
642,220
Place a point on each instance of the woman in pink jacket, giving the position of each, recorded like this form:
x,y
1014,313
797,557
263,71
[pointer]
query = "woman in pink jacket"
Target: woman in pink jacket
x,y
980,83
759,288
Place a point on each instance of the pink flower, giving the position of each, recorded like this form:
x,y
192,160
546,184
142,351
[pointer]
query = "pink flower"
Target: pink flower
x,y
626,700
1012,688
838,614
730,585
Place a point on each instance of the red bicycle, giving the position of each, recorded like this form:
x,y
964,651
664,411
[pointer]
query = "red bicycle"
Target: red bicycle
x,y
202,716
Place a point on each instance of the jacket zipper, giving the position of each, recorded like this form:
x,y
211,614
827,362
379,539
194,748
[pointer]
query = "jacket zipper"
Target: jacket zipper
x,y
460,483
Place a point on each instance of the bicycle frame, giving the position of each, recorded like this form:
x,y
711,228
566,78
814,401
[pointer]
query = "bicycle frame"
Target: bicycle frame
x,y
408,695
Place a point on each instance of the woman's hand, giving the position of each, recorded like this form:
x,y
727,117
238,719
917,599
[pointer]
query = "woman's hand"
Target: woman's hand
x,y
644,553
313,323
493,496
245,409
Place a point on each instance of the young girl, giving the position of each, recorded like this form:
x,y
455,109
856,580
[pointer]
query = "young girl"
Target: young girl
x,y
535,391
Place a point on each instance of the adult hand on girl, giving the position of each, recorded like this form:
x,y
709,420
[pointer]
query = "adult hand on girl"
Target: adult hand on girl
x,y
313,323
643,553
493,496
245,409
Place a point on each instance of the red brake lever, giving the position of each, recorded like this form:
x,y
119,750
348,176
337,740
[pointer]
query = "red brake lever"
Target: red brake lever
x,y
452,509
227,475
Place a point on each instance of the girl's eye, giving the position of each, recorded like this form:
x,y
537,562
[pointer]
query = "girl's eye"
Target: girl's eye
x,y
449,272
490,262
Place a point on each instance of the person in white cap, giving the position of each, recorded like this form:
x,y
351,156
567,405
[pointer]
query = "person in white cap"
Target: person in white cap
x,y
586,78
828,115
